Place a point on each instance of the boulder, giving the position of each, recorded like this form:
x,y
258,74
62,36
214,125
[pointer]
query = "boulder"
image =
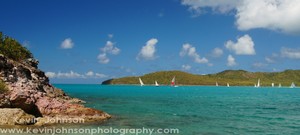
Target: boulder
x,y
15,116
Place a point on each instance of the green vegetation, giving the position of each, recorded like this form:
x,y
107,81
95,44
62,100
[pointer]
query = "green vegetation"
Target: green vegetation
x,y
12,49
3,87
233,77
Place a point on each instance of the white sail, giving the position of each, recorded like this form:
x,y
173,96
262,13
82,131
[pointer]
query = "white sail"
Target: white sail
x,y
255,85
228,85
279,85
156,84
293,85
173,82
217,84
272,84
258,83
141,82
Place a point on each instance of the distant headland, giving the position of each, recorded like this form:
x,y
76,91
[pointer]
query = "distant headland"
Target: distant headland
x,y
231,77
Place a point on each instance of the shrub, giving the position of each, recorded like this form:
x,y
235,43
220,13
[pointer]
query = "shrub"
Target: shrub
x,y
12,49
3,87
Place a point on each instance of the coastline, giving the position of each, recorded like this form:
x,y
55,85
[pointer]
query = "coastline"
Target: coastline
x,y
32,100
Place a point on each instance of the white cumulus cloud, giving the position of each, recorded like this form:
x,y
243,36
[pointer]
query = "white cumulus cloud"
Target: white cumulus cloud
x,y
243,46
70,74
186,67
189,50
217,52
290,53
231,61
281,15
102,58
148,51
67,44
90,73
278,15
109,48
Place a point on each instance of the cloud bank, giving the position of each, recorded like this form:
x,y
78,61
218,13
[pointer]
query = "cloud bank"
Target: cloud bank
x,y
74,75
277,15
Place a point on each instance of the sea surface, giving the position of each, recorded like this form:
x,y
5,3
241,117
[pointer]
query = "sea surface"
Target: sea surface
x,y
192,110
195,110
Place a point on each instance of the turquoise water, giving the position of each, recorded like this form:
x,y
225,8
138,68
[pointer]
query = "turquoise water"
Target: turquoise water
x,y
195,110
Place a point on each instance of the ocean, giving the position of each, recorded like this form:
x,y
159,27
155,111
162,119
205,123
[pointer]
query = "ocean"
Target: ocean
x,y
183,110
193,110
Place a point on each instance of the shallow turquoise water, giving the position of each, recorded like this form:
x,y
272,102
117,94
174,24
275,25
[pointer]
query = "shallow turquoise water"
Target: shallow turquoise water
x,y
195,110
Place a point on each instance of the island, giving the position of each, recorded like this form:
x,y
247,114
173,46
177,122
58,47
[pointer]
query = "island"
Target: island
x,y
27,97
230,77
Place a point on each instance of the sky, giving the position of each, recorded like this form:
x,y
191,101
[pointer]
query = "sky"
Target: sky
x,y
89,41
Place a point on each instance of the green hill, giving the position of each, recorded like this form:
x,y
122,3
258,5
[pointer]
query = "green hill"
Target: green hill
x,y
233,77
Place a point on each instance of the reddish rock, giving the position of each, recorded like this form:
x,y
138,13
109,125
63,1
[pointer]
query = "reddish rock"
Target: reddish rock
x,y
30,90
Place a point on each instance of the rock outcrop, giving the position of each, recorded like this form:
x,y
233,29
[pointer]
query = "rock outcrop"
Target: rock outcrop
x,y
15,116
30,90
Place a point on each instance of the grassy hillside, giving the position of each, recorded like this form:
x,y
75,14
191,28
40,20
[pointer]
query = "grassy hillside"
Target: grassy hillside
x,y
233,77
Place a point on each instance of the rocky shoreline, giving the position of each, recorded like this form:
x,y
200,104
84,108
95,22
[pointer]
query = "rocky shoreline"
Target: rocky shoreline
x,y
32,100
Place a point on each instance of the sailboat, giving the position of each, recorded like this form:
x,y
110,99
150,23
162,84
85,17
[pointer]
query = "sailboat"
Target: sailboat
x,y
217,84
173,82
141,82
272,84
293,85
228,85
258,83
156,84
279,85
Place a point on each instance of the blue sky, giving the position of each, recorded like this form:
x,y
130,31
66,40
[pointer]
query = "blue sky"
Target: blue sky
x,y
93,40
